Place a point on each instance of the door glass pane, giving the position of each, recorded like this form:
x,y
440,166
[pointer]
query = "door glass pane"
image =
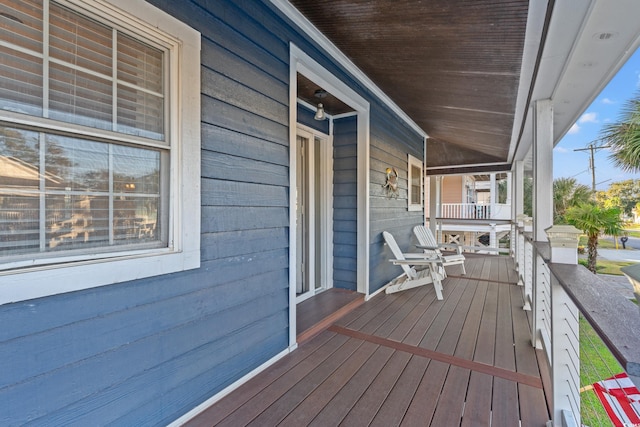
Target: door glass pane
x,y
301,217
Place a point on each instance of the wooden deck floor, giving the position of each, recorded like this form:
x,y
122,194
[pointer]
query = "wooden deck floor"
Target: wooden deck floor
x,y
407,359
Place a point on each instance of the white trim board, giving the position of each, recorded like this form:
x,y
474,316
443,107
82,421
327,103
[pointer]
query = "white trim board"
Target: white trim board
x,y
301,62
312,31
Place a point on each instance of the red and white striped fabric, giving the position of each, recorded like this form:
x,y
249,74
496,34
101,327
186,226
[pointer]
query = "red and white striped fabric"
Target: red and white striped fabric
x,y
620,399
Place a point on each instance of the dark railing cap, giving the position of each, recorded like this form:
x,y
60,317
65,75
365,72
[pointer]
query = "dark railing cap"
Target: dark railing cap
x,y
613,317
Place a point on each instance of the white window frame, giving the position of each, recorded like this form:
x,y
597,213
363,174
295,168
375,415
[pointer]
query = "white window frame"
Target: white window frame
x,y
414,162
73,273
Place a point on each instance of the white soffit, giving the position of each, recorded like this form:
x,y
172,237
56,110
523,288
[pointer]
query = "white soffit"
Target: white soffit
x,y
576,64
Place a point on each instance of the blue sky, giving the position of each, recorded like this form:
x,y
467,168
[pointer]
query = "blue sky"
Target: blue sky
x,y
604,109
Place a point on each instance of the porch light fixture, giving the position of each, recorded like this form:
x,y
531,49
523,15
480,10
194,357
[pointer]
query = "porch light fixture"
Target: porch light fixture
x,y
320,114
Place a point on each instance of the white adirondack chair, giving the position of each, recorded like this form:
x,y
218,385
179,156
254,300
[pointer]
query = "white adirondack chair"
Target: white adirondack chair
x,y
409,262
428,242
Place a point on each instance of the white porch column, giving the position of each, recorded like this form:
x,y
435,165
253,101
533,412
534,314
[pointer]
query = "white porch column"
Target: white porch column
x,y
517,204
434,202
542,169
542,200
492,195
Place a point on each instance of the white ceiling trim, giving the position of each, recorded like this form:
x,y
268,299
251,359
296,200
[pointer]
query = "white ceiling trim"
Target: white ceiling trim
x,y
535,26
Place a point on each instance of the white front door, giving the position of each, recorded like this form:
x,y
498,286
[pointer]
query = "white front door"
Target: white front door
x,y
313,219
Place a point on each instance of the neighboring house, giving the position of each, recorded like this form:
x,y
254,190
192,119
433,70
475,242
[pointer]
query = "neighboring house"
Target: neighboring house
x,y
469,211
195,198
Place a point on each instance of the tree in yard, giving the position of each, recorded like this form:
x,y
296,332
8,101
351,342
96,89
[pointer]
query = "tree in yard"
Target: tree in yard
x,y
622,194
566,193
624,137
594,220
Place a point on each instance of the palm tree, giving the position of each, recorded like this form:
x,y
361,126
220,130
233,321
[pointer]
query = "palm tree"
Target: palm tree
x,y
594,220
624,137
566,193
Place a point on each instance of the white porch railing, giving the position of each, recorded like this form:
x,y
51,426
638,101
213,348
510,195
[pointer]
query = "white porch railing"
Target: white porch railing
x,y
556,294
475,211
474,235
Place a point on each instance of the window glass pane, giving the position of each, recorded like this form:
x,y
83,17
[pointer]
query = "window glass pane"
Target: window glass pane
x,y
19,198
76,221
19,222
140,101
81,98
136,182
21,76
139,64
135,219
19,159
136,170
80,41
140,113
21,23
415,185
76,164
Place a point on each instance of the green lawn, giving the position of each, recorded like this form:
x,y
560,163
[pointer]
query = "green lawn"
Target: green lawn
x,y
596,363
633,230
633,233
604,266
602,243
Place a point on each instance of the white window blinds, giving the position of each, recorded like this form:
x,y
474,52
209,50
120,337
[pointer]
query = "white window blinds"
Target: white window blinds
x,y
88,73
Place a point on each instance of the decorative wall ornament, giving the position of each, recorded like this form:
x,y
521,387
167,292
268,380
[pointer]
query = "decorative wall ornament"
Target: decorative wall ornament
x,y
391,183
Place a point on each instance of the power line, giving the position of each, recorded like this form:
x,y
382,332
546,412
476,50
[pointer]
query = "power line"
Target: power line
x,y
592,164
579,173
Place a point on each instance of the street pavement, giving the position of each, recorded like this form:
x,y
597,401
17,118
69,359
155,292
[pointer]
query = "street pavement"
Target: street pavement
x,y
619,283
630,255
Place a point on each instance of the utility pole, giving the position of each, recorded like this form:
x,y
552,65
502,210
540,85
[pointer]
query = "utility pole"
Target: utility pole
x,y
592,164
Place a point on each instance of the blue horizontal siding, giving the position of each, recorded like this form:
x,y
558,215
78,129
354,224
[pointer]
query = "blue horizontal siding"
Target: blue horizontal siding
x,y
345,190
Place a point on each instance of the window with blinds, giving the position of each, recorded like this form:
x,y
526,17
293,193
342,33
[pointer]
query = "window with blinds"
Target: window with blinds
x,y
84,152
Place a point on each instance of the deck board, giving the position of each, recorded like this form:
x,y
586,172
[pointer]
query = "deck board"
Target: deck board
x,y
407,359
397,402
342,403
297,393
304,413
479,395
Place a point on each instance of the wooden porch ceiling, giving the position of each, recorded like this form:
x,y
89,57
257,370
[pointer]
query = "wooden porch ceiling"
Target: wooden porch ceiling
x,y
452,66
407,359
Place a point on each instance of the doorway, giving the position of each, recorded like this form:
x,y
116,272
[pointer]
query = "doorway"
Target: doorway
x,y
313,213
